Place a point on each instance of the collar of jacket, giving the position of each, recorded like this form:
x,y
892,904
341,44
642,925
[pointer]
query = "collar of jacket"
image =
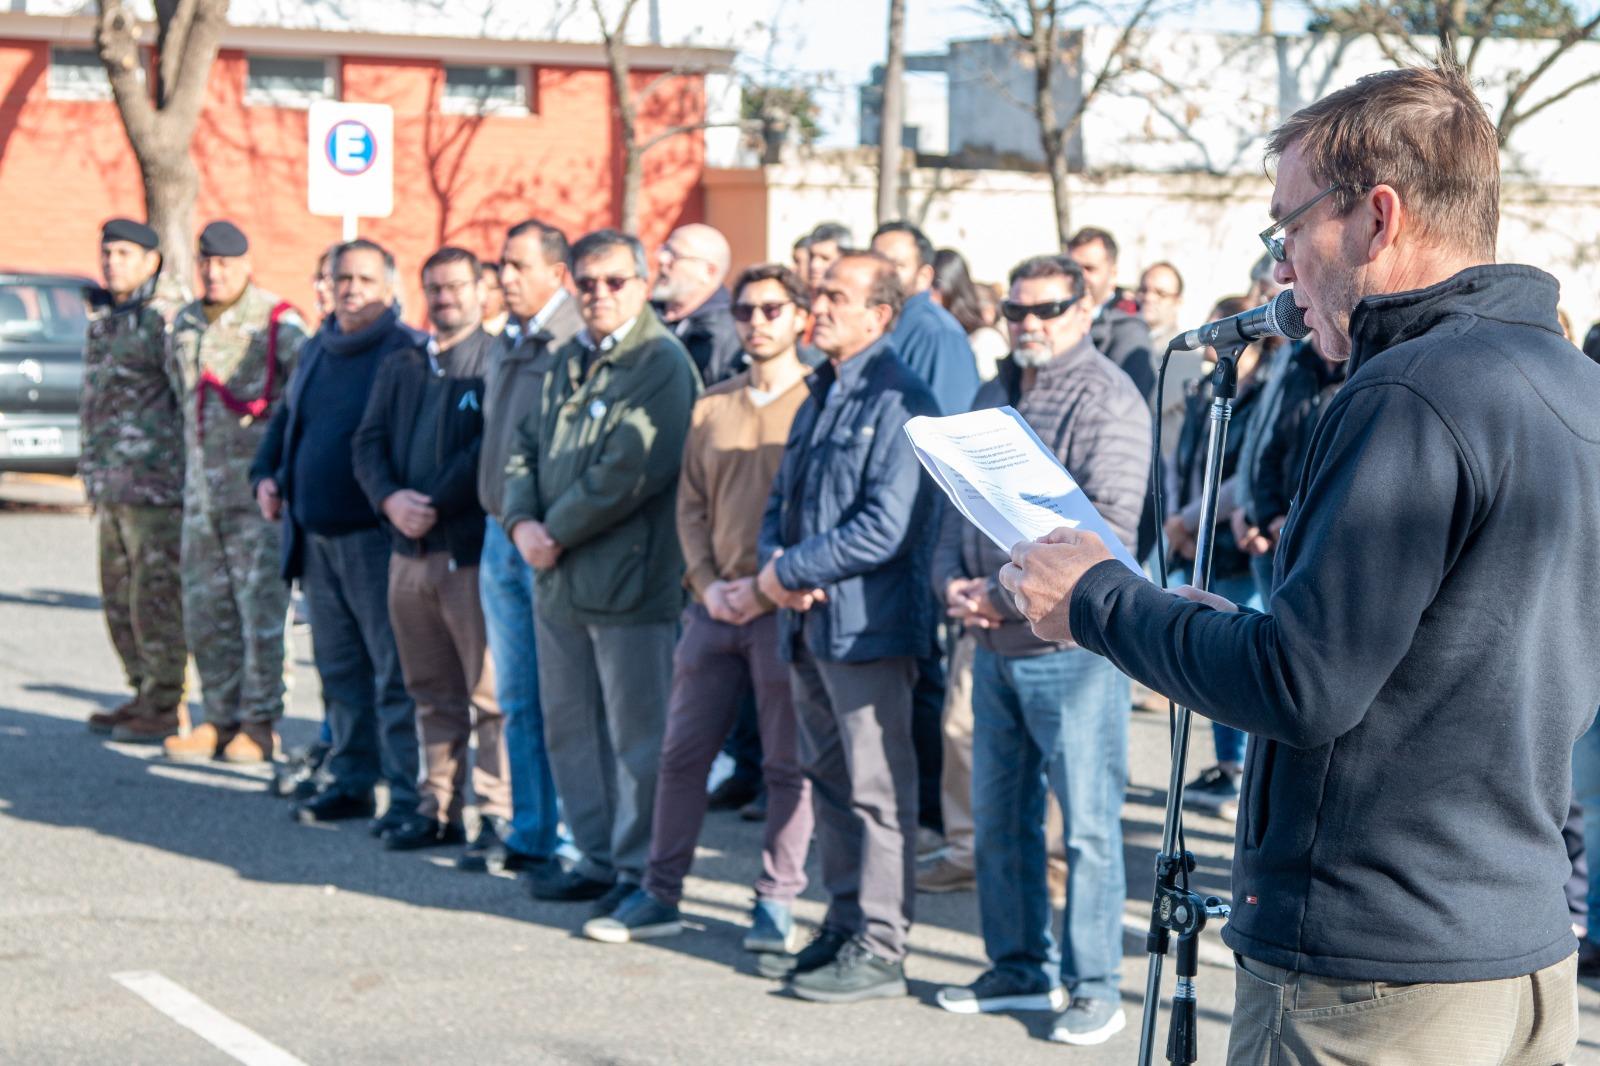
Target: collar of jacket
x,y
1510,293
361,340
563,324
849,373
718,303
628,351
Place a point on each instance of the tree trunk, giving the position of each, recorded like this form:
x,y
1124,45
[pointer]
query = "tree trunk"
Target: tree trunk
x,y
891,115
171,187
632,179
1055,157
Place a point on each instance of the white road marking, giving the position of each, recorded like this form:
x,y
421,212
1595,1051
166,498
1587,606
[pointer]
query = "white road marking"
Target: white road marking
x,y
205,1021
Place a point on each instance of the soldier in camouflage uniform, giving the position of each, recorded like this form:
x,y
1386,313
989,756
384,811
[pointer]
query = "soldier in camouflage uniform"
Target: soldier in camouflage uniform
x,y
132,467
232,354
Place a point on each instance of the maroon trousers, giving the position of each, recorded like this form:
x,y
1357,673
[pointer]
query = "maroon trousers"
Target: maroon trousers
x,y
714,666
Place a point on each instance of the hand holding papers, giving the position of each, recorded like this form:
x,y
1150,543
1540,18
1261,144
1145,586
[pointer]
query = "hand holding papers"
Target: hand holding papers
x,y
999,474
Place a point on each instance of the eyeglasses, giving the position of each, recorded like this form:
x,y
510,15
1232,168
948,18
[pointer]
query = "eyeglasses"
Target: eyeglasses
x,y
1269,236
1015,312
615,283
769,312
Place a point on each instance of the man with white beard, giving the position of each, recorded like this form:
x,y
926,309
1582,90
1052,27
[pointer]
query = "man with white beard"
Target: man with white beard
x,y
1047,718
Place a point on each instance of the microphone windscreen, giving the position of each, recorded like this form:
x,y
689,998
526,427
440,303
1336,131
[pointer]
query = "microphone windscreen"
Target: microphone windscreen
x,y
1287,318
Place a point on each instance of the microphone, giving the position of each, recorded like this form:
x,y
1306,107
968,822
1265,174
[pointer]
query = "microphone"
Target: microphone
x,y
1278,317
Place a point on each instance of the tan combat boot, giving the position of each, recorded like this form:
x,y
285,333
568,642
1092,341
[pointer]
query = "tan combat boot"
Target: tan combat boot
x,y
255,742
147,728
201,744
106,721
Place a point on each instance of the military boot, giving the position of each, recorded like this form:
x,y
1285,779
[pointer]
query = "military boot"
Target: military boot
x,y
147,728
106,721
254,742
201,744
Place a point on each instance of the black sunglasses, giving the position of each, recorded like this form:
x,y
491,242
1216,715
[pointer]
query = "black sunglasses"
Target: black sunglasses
x,y
769,311
1015,312
589,285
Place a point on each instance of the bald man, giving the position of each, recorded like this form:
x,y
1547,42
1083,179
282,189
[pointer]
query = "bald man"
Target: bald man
x,y
691,300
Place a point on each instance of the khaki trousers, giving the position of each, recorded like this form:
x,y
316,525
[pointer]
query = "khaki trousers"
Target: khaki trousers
x,y
438,626
1283,1018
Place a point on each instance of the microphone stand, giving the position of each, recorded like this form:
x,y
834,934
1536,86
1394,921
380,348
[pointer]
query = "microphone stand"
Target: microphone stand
x,y
1176,910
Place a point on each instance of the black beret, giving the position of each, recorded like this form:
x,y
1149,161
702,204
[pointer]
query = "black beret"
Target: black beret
x,y
126,229
224,239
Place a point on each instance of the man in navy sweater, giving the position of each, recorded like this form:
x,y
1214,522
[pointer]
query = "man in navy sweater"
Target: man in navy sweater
x,y
1415,687
305,475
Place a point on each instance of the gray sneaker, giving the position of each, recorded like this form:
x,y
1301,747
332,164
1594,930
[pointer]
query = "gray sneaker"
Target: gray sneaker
x,y
854,974
999,990
1088,1021
639,917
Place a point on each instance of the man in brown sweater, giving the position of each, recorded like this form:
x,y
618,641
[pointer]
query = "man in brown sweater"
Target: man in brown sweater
x,y
730,638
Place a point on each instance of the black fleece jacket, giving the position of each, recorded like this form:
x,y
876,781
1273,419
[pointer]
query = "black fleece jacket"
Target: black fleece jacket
x,y
394,415
1425,664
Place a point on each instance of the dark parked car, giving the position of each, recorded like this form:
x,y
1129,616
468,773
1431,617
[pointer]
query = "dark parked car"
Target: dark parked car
x,y
43,319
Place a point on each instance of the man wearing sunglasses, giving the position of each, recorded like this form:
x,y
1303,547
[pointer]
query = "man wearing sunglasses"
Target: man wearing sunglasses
x,y
1425,664
589,502
729,646
1048,719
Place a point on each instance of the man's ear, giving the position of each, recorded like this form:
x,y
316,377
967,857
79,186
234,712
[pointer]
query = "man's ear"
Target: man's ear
x,y
1388,219
924,278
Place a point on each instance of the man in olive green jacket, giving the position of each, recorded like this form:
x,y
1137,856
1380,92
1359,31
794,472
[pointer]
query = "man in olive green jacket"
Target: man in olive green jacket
x,y
590,502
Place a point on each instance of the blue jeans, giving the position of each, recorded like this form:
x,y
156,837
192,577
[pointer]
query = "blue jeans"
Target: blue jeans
x,y
505,584
1586,793
1060,718
1228,741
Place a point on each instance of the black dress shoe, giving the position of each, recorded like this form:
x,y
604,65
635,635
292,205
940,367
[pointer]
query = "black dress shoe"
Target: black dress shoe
x,y
485,853
420,831
567,887
756,809
732,794
392,819
333,805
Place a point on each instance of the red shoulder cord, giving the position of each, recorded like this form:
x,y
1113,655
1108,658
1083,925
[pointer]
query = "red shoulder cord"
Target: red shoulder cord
x,y
254,408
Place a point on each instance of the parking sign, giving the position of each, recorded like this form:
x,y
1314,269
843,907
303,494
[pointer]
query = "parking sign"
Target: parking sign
x,y
350,160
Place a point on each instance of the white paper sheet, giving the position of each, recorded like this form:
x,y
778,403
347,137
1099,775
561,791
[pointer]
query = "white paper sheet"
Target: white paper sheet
x,y
998,473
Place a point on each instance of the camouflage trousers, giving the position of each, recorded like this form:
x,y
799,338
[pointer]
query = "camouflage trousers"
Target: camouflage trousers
x,y
235,606
142,598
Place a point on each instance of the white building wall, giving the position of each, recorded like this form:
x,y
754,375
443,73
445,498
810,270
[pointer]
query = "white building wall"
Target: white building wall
x,y
1205,224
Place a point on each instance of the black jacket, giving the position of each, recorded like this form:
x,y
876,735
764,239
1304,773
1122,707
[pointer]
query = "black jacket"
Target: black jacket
x,y
275,458
854,514
1124,338
381,443
713,342
1308,384
1189,458
1426,662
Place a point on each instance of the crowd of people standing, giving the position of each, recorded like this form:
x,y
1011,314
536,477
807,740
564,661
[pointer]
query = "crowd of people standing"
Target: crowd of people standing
x,y
612,514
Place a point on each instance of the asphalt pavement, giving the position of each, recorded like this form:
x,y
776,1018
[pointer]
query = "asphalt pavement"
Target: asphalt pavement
x,y
164,914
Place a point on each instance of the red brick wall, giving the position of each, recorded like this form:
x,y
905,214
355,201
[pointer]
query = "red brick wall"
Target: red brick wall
x,y
66,166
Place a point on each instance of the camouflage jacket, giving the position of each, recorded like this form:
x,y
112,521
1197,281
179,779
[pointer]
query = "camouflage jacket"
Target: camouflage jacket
x,y
132,449
221,442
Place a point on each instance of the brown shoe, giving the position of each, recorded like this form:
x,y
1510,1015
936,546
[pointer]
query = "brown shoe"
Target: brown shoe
x,y
255,742
942,875
147,728
201,744
105,721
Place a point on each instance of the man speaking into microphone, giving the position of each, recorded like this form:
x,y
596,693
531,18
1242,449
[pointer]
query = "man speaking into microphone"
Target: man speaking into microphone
x,y
1424,666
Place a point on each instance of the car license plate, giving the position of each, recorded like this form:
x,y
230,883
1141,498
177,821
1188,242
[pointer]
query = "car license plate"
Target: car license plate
x,y
21,442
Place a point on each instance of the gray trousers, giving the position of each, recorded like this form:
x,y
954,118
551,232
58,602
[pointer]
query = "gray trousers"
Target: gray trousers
x,y
1283,1018
855,746
604,691
372,719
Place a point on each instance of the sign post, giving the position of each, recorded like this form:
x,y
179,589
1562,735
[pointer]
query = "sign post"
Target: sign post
x,y
350,162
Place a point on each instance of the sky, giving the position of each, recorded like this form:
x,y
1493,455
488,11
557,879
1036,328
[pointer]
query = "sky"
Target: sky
x,y
837,42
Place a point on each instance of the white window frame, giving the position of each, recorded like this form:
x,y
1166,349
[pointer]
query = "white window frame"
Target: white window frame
x,y
291,100
451,105
82,91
